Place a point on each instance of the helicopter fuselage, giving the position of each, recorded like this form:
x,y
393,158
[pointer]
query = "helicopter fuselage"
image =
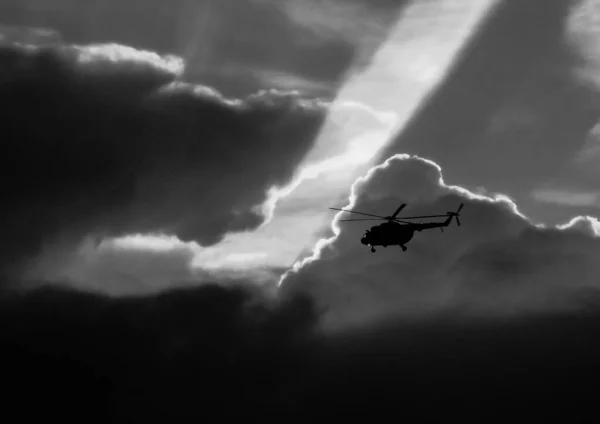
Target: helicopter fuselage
x,y
397,231
388,234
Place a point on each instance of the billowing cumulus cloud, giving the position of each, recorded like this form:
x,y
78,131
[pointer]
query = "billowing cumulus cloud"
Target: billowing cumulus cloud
x,y
496,262
108,140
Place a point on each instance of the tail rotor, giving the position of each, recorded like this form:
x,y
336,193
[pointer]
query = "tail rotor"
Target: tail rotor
x,y
456,214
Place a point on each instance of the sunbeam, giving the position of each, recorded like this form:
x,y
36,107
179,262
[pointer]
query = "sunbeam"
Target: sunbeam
x,y
409,66
373,105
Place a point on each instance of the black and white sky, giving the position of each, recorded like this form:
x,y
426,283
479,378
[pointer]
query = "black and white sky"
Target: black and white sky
x,y
167,169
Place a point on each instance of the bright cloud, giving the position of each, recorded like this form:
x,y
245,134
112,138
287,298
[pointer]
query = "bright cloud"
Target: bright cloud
x,y
497,262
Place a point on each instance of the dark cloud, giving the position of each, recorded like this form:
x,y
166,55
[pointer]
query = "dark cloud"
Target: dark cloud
x,y
512,113
181,354
233,353
236,46
106,139
496,263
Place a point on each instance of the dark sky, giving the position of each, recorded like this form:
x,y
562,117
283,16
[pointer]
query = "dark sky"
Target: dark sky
x,y
141,142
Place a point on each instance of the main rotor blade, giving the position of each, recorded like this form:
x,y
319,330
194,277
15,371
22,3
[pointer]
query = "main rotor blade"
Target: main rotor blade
x,y
362,219
360,213
402,206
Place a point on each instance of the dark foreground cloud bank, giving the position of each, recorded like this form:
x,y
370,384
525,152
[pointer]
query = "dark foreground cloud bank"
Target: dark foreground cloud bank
x,y
216,352
108,140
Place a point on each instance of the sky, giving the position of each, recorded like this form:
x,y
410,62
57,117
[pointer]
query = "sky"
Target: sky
x,y
167,245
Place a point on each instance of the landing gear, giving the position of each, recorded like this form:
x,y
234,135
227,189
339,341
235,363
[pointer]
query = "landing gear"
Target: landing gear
x,y
403,248
372,250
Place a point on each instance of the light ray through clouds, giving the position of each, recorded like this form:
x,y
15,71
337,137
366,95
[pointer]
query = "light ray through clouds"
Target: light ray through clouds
x,y
413,60
408,67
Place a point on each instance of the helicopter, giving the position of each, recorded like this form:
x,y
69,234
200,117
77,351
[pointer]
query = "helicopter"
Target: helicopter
x,y
396,231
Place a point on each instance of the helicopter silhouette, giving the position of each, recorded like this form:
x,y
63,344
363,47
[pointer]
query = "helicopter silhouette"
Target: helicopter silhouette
x,y
396,231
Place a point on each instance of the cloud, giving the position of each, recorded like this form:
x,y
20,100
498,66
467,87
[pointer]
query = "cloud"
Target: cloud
x,y
106,140
575,184
234,352
116,269
138,358
29,35
145,264
496,262
237,47
587,224
567,197
512,113
582,31
362,24
109,21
